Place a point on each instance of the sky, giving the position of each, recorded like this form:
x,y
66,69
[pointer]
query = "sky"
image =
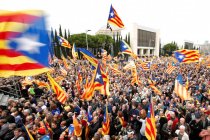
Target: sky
x,y
177,20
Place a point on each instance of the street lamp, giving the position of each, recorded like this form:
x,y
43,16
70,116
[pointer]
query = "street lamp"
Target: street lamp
x,y
86,38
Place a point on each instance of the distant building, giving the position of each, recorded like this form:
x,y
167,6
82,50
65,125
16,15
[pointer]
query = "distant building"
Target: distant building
x,y
144,41
105,31
188,45
205,47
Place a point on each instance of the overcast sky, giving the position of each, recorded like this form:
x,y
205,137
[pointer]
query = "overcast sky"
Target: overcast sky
x,y
177,20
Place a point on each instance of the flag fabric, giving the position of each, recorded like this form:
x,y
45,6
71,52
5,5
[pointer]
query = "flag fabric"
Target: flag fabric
x,y
77,127
187,84
114,70
63,42
208,65
180,89
187,56
150,130
65,62
74,51
114,19
106,82
24,43
78,82
135,79
122,122
88,89
145,65
89,56
154,88
125,48
170,68
61,94
28,134
98,81
106,123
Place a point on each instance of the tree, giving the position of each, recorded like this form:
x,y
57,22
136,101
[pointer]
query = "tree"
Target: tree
x,y
60,31
169,48
129,39
56,45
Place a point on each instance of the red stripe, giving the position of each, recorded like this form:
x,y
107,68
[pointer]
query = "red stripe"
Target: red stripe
x,y
8,34
151,126
148,131
9,53
119,23
18,17
19,67
113,21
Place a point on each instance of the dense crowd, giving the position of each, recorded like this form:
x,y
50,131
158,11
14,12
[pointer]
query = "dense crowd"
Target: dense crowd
x,y
39,111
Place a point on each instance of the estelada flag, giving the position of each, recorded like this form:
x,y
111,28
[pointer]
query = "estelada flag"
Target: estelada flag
x,y
24,43
61,94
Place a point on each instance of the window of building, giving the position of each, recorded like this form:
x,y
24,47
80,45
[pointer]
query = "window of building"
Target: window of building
x,y
146,38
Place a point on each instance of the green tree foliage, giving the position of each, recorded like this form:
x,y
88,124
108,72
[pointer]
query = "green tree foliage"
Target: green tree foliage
x,y
169,48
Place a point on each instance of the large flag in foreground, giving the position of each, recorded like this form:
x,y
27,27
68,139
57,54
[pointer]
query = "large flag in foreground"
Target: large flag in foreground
x,y
187,56
24,43
180,89
61,94
114,19
150,130
125,48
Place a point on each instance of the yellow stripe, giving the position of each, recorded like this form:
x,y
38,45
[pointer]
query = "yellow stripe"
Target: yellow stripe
x,y
3,44
29,12
15,60
12,26
8,73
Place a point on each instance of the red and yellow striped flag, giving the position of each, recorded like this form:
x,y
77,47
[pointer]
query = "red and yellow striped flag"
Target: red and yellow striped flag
x,y
155,89
106,123
61,94
150,130
77,127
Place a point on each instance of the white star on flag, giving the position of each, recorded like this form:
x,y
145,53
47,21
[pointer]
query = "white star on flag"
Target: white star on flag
x,y
181,56
98,76
124,47
29,44
112,14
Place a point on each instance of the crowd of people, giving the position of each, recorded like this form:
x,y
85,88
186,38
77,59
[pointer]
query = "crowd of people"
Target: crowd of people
x,y
40,113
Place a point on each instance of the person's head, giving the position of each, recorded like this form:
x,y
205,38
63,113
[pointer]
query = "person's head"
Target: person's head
x,y
53,125
17,132
95,119
182,120
130,134
182,129
172,115
143,114
5,113
170,122
12,126
2,121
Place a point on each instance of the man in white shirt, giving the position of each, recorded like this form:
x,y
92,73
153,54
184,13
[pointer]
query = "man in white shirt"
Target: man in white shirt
x,y
182,135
